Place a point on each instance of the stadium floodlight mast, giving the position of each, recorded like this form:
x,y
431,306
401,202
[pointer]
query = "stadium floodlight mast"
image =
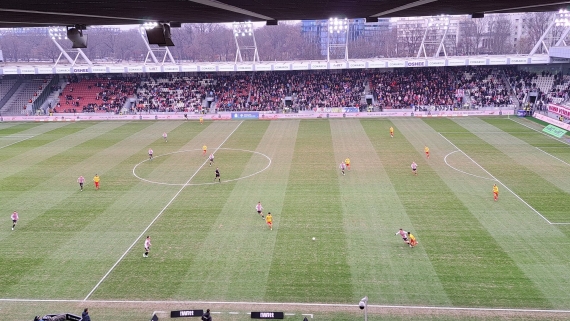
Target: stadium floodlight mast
x,y
437,27
164,51
561,20
244,37
363,305
337,36
57,33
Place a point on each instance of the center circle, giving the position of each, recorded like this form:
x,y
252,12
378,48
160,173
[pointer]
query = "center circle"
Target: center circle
x,y
199,168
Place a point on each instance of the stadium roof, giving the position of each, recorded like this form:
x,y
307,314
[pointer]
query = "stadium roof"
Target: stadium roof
x,y
28,13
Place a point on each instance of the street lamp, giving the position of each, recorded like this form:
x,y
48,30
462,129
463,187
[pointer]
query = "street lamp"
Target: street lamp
x,y
363,305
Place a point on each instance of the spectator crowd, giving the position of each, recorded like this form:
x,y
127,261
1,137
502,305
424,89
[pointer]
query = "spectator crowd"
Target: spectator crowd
x,y
445,88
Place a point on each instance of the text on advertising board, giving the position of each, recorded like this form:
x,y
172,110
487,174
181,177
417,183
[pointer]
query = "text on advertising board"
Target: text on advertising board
x,y
80,70
267,315
554,131
559,110
252,115
415,63
186,313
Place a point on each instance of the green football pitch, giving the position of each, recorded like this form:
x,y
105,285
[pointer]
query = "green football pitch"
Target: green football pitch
x,y
477,259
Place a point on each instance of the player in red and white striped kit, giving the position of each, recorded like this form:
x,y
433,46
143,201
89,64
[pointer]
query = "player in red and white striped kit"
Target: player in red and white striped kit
x,y
403,234
146,246
81,180
259,209
14,218
342,167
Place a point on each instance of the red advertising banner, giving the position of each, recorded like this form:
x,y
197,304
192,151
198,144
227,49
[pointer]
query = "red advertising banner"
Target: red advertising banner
x,y
559,110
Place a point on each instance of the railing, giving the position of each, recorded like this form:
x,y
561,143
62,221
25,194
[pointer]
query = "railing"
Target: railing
x,y
11,92
507,84
46,91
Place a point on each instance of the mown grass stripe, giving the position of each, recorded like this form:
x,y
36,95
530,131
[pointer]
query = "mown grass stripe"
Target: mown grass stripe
x,y
56,220
311,209
512,162
372,215
238,264
182,229
480,275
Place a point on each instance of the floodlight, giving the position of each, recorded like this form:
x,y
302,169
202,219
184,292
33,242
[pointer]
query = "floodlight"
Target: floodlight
x,y
337,25
56,33
562,18
149,25
243,28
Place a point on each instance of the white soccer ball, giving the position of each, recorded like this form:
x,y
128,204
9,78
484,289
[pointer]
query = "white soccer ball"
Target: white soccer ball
x,y
314,238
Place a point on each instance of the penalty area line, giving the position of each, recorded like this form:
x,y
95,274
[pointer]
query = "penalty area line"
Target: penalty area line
x,y
498,181
332,305
156,218
538,131
552,156
17,142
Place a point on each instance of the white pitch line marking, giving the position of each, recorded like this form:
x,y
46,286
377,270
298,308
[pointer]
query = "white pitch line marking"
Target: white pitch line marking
x,y
552,156
455,151
17,142
233,312
498,181
289,304
154,220
210,183
289,313
308,314
538,131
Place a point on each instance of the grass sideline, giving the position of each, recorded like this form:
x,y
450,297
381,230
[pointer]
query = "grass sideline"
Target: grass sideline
x,y
209,244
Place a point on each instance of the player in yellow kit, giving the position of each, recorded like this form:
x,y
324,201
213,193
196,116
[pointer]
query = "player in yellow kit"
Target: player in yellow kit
x,y
426,149
269,220
495,192
204,148
392,132
96,179
412,240
347,163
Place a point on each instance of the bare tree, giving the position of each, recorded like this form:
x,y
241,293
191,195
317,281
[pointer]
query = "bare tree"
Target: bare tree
x,y
499,29
535,25
12,45
471,33
409,40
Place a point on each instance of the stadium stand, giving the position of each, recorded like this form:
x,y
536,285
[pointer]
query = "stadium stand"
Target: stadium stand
x,y
170,94
449,88
96,94
22,98
485,88
416,88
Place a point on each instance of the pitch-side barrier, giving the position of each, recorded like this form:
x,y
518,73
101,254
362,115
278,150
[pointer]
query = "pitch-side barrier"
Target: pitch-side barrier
x,y
251,115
